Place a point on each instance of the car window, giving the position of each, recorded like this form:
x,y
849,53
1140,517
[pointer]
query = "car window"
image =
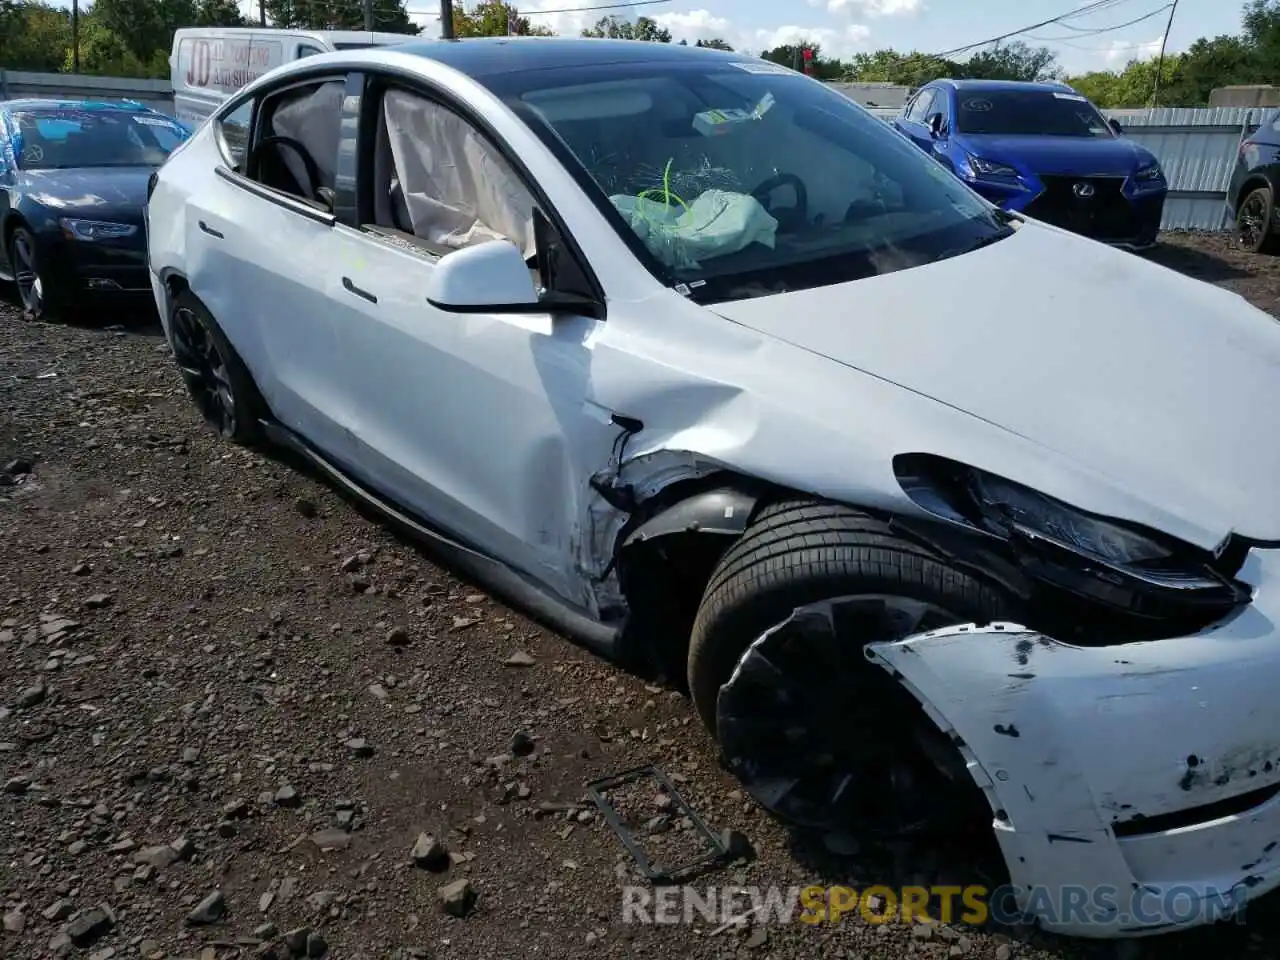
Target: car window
x,y
439,180
921,107
290,141
1044,113
233,132
308,51
1275,122
942,105
68,137
733,179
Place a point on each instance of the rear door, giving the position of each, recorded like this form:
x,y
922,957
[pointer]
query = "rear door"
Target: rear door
x,y
262,250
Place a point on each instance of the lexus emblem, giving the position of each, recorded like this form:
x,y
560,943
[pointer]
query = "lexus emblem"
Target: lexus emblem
x,y
1082,190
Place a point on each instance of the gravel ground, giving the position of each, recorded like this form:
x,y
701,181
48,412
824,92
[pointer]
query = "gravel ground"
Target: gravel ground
x,y
237,718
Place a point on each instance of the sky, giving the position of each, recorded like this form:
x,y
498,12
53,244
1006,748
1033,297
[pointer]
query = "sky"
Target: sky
x,y
844,27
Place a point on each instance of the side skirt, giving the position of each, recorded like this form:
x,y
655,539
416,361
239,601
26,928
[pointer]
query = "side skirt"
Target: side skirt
x,y
508,584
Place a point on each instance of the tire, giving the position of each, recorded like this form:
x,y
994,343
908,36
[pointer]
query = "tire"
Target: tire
x,y
1256,221
800,552
40,301
219,383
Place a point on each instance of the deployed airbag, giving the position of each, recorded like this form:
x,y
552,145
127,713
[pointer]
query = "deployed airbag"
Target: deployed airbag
x,y
457,188
717,223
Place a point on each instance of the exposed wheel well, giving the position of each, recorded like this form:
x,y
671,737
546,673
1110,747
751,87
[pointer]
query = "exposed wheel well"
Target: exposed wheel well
x,y
663,575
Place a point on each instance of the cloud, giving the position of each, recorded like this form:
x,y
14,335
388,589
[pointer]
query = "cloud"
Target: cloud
x,y
842,42
1121,52
870,8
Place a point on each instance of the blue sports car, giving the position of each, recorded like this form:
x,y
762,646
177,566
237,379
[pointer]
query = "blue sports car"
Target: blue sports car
x,y
73,184
1044,150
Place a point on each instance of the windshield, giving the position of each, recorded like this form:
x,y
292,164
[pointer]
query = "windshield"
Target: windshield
x,y
734,179
1041,113
58,139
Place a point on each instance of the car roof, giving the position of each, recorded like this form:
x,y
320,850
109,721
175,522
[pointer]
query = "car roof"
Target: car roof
x,y
1013,85
485,56
33,105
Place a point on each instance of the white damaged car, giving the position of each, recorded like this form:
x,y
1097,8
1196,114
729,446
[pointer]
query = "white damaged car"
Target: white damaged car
x,y
698,361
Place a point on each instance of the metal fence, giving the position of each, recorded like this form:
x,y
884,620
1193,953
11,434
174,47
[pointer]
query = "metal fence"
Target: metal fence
x,y
1196,146
154,93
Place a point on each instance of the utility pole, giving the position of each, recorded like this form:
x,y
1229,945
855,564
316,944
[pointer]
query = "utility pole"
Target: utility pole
x,y
446,19
368,15
262,12
75,36
1155,93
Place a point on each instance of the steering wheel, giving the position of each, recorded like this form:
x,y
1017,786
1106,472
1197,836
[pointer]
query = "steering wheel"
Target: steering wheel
x,y
254,161
790,218
32,153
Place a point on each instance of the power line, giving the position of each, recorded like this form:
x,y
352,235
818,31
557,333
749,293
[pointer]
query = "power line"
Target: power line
x,y
1070,15
539,13
1088,33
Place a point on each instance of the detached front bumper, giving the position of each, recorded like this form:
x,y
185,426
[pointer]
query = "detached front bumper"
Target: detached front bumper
x,y
1136,788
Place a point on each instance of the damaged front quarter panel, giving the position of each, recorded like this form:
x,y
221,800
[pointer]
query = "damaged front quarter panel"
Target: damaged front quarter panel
x,y
1145,778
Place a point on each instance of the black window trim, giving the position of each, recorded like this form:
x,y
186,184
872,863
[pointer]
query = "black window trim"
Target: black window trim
x,y
378,77
256,97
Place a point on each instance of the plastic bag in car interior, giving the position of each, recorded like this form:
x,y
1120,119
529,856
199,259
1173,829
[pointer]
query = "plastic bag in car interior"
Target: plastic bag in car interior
x,y
312,120
458,189
718,222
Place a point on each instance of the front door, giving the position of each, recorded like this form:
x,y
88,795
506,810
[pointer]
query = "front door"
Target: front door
x,y
477,422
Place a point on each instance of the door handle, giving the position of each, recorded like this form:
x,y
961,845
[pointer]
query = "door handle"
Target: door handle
x,y
350,287
210,231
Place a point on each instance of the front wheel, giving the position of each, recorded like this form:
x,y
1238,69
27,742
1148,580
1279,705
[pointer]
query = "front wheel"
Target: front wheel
x,y
777,670
39,300
1255,221
217,379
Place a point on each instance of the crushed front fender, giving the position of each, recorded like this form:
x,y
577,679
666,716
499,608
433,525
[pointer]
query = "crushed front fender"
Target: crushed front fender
x,y
1140,782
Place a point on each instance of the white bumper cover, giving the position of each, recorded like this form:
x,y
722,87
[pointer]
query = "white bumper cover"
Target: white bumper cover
x,y
1080,749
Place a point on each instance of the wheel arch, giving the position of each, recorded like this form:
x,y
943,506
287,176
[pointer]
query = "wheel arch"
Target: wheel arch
x,y
12,221
1256,179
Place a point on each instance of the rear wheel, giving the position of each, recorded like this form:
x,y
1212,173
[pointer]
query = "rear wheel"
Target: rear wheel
x,y
1255,221
817,734
216,377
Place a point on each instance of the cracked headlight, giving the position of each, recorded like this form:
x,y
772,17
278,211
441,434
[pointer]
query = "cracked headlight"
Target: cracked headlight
x,y
91,230
1012,508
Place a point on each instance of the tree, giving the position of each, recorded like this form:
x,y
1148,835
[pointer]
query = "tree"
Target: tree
x,y
493,18
1012,61
616,28
218,13
715,43
792,55
909,69
35,35
389,16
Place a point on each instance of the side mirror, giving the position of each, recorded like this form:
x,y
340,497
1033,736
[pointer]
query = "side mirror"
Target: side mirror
x,y
935,124
1114,124
493,277
486,278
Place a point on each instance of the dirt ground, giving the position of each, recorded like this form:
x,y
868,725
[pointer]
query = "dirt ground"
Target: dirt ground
x,y
230,705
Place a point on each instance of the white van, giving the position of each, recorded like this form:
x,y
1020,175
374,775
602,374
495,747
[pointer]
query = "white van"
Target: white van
x,y
208,64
